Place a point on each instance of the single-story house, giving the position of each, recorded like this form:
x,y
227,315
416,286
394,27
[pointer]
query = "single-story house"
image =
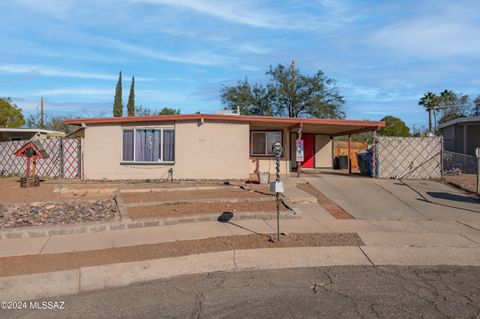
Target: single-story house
x,y
461,135
205,146
20,134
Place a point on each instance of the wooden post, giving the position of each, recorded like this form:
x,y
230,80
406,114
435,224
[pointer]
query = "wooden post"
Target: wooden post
x,y
374,154
28,167
349,154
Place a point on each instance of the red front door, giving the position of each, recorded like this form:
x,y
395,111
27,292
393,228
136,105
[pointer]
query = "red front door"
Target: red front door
x,y
308,150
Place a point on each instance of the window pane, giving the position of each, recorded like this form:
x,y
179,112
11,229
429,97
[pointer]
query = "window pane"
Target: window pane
x,y
168,145
127,146
258,141
147,145
272,138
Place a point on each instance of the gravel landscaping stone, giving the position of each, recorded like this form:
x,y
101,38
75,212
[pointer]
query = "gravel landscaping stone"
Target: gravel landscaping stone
x,y
56,213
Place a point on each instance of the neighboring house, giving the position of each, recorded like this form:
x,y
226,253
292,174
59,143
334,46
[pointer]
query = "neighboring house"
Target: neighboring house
x,y
205,146
19,134
461,135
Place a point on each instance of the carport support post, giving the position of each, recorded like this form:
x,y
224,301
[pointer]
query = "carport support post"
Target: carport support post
x,y
349,154
374,153
477,153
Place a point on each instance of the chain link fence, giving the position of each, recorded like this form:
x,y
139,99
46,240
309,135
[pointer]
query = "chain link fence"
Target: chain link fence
x,y
460,170
63,158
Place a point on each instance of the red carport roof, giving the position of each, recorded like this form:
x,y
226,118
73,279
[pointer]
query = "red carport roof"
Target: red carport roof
x,y
347,126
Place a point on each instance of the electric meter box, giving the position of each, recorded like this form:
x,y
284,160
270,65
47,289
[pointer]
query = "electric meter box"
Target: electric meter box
x,y
277,187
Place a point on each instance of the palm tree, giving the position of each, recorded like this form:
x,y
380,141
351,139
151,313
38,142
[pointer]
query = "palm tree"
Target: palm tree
x,y
476,102
430,102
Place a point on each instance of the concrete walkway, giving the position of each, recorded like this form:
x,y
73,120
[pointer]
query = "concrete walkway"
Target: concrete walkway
x,y
373,232
410,200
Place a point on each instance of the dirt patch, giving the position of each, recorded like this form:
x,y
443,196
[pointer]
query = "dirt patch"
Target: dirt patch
x,y
56,213
20,265
467,182
189,195
193,209
330,206
11,192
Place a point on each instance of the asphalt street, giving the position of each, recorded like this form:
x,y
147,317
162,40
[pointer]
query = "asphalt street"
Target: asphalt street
x,y
327,292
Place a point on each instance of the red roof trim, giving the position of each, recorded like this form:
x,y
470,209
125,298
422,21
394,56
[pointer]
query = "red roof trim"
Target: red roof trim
x,y
220,117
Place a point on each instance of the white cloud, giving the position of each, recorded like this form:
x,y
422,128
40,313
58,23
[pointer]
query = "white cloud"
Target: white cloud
x,y
430,36
200,58
323,15
227,11
53,72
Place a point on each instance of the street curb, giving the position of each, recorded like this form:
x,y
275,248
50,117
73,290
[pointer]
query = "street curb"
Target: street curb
x,y
43,285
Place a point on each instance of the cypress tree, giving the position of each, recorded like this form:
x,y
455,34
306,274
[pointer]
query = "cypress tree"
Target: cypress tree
x,y
131,99
117,102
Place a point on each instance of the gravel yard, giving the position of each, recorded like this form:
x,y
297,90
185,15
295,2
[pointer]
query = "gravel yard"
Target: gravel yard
x,y
55,213
11,266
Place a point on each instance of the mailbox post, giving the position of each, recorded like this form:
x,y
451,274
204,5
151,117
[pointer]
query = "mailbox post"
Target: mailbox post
x,y
277,186
477,153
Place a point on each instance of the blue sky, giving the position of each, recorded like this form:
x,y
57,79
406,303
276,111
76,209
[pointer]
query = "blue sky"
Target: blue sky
x,y
383,54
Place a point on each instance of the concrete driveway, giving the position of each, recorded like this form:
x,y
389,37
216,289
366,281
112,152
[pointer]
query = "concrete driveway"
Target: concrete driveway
x,y
376,199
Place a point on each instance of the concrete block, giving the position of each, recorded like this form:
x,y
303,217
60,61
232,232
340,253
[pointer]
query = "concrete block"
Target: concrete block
x,y
398,226
277,258
44,285
446,227
298,226
248,227
118,275
21,246
415,239
460,256
199,230
142,236
78,242
349,225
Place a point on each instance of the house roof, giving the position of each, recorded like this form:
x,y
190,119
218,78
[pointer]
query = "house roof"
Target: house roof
x,y
460,121
327,126
28,130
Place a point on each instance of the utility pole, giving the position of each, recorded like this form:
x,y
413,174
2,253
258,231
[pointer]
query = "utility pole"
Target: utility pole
x,y
293,89
41,113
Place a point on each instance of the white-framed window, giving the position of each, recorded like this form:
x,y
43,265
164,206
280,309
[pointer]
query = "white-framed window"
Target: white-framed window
x,y
148,145
261,142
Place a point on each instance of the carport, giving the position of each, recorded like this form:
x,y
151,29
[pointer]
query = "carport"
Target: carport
x,y
316,135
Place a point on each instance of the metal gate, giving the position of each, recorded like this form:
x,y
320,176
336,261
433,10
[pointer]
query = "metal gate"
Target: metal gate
x,y
410,157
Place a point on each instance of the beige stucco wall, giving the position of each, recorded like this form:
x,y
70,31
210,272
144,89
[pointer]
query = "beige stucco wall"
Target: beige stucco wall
x,y
268,164
209,150
323,151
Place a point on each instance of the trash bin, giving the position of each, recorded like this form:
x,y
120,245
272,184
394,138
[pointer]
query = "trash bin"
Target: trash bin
x,y
364,159
340,162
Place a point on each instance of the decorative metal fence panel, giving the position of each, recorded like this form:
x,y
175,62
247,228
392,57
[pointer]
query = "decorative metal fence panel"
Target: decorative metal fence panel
x,y
63,158
410,157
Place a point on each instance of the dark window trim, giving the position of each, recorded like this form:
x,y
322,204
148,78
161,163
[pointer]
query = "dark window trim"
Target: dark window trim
x,y
162,129
266,155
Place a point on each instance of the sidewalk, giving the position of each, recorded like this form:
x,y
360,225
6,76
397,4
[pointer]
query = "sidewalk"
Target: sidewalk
x,y
373,233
